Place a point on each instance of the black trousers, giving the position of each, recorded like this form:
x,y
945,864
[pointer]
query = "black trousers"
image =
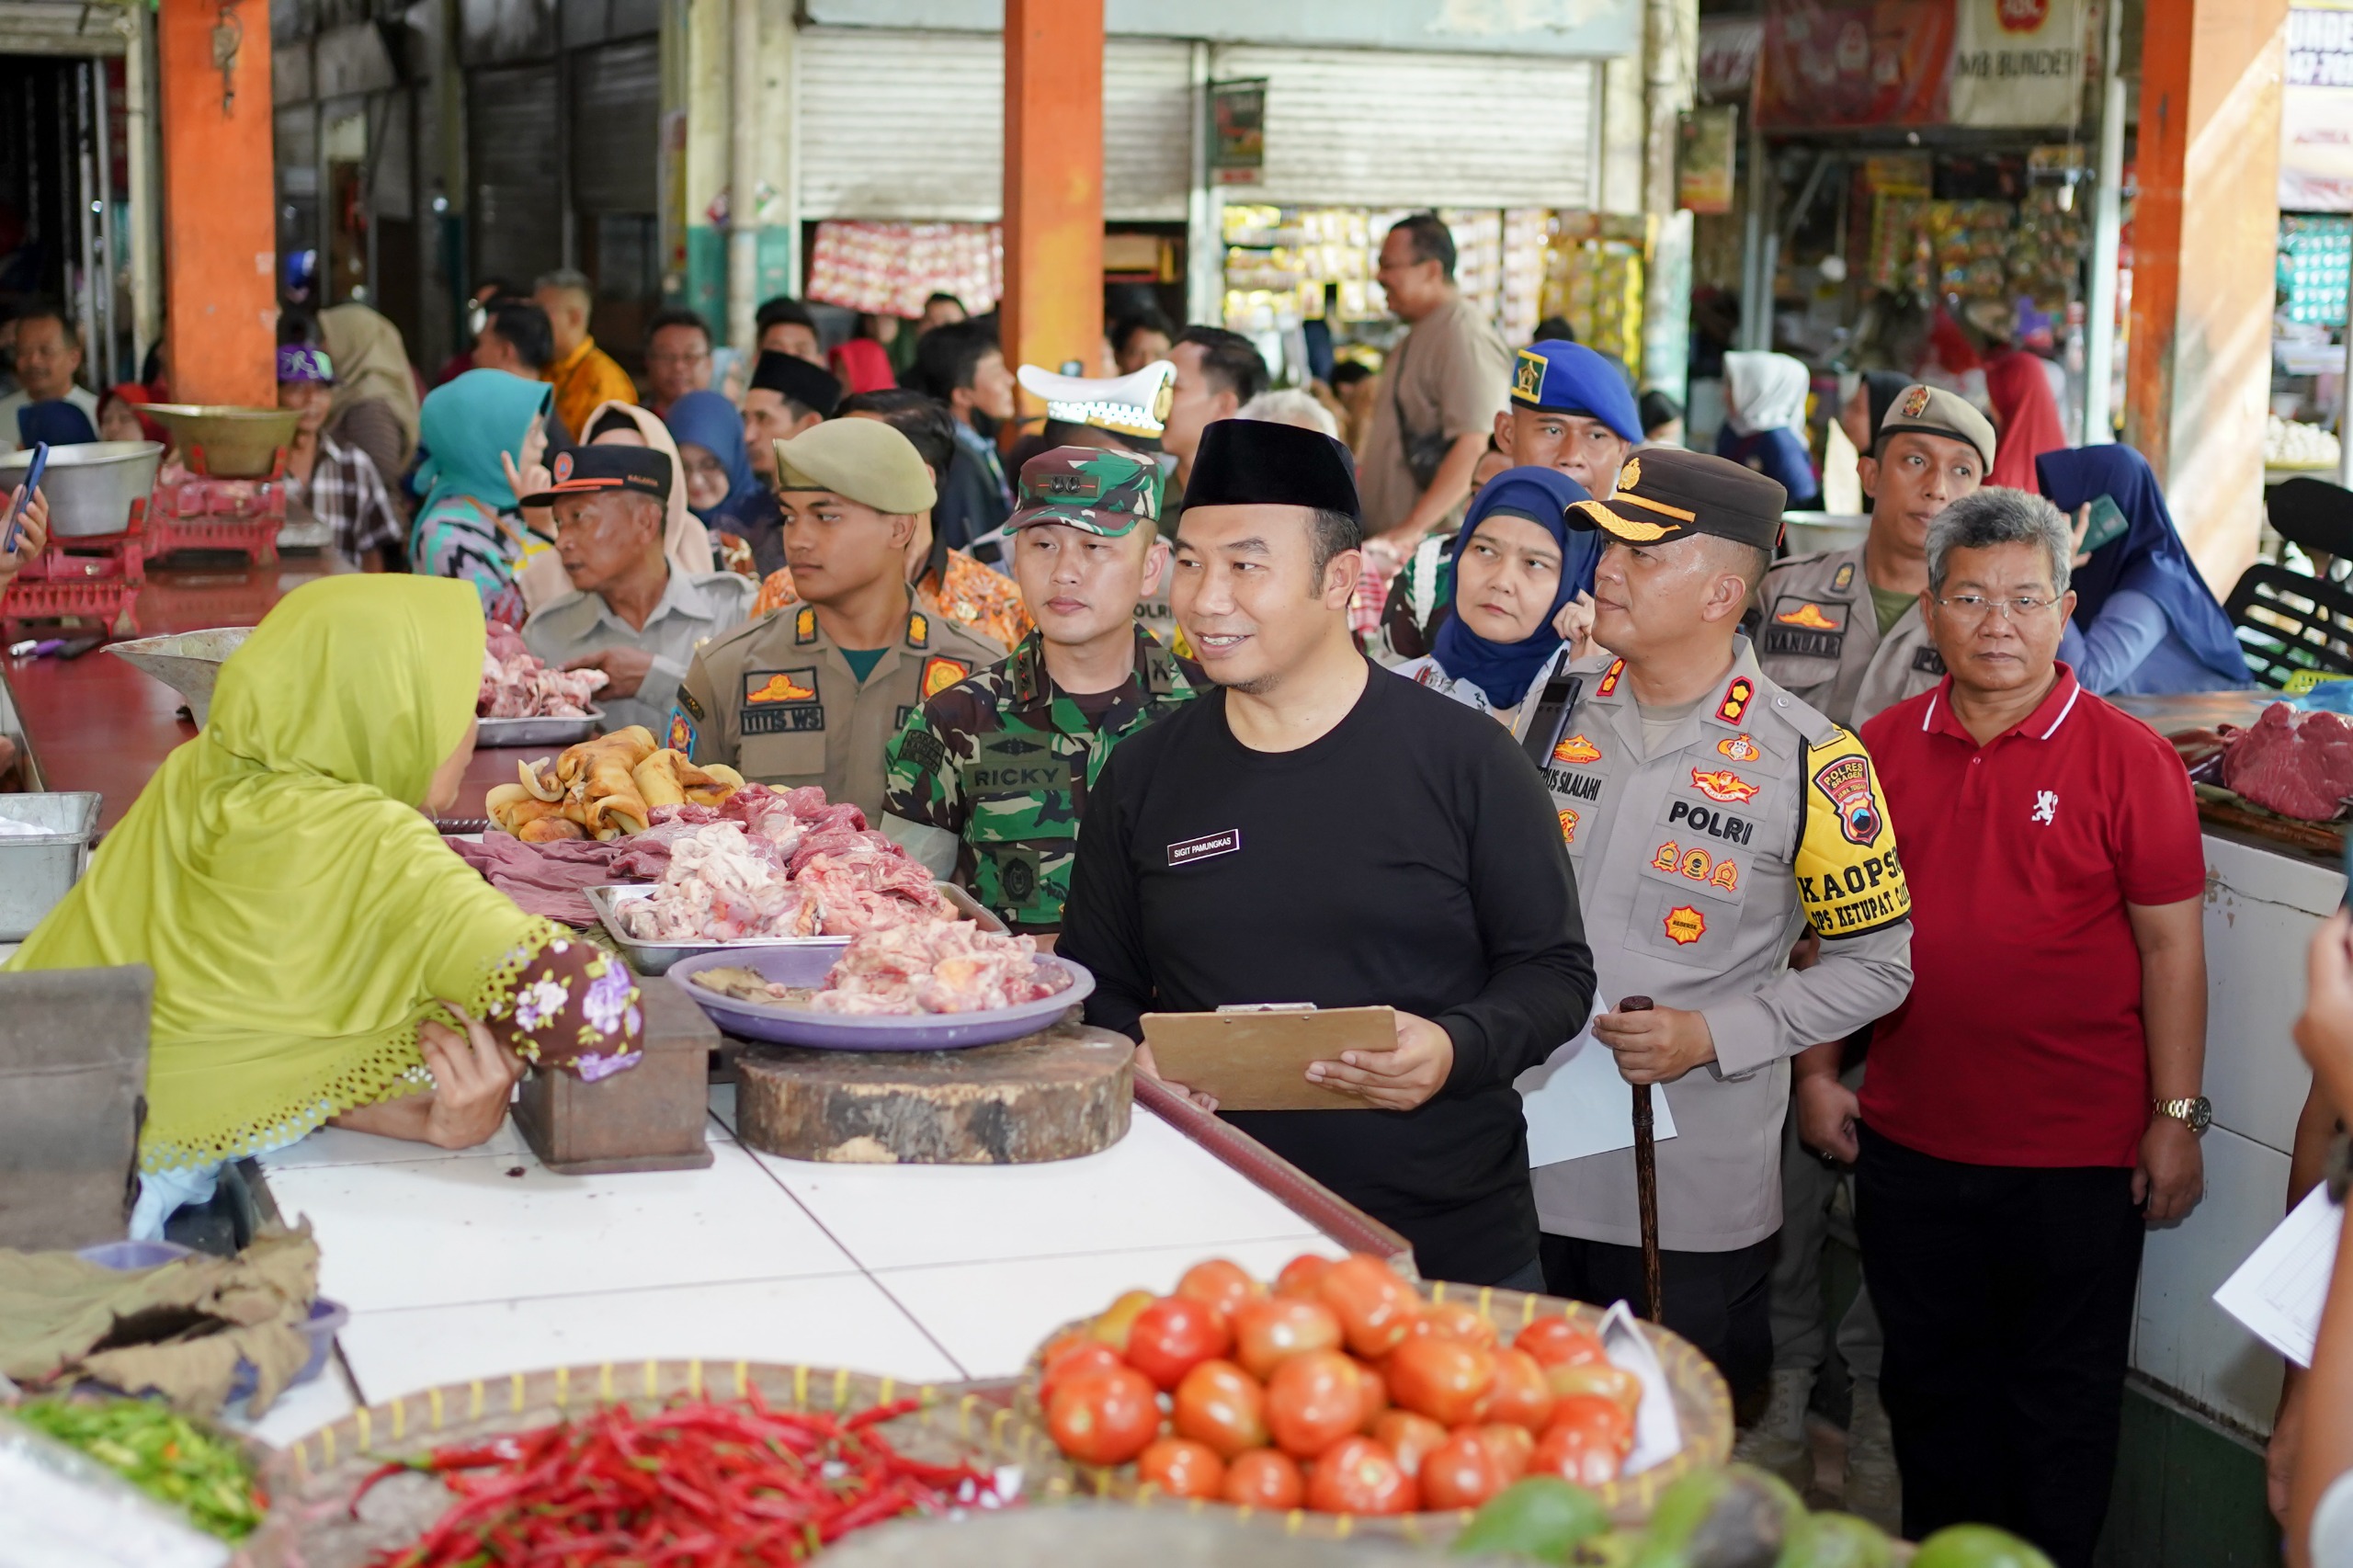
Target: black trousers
x,y
1721,1301
2006,1293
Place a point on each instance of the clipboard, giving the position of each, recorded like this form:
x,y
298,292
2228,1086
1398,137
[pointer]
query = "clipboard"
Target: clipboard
x,y
1255,1058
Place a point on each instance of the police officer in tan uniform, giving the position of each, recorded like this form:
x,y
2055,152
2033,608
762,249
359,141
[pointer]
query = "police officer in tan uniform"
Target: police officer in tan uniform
x,y
1842,629
1711,816
814,693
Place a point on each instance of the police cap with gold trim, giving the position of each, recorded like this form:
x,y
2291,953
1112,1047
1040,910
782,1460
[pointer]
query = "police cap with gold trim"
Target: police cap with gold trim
x,y
1666,492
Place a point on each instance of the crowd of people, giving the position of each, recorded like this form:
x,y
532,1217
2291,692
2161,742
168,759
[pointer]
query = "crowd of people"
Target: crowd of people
x,y
1598,737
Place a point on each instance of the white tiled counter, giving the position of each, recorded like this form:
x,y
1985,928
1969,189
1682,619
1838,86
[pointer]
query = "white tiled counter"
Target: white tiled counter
x,y
460,1265
2261,906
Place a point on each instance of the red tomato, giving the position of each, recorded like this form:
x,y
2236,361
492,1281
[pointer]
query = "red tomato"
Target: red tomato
x,y
1611,1382
1264,1477
1221,1406
1560,1342
1359,1476
1181,1468
1603,1419
1574,1453
1105,1417
1266,1332
1376,1394
1455,1320
1442,1379
1221,1287
1112,1324
1172,1336
1459,1473
1376,1308
1510,1446
1519,1396
1085,1356
1408,1437
1312,1402
1300,1275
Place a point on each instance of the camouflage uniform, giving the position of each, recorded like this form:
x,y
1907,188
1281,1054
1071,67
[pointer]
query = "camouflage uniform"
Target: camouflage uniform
x,y
989,777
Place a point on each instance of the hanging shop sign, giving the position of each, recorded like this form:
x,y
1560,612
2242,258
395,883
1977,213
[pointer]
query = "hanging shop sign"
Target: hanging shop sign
x,y
1238,131
2017,62
2316,112
1829,63
1707,142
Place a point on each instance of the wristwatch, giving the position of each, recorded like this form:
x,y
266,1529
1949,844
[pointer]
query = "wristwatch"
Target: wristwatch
x,y
2195,1114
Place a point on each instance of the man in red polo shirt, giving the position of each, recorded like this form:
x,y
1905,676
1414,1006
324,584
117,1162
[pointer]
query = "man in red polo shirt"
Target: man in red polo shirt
x,y
2034,1101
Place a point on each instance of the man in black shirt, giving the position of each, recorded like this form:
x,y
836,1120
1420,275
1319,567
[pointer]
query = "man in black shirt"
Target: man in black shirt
x,y
1320,831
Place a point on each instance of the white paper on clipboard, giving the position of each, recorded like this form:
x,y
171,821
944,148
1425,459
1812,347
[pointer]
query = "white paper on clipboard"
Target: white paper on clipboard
x,y
1578,1105
2279,1292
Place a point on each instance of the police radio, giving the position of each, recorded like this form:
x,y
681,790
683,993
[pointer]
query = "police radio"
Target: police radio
x,y
1551,718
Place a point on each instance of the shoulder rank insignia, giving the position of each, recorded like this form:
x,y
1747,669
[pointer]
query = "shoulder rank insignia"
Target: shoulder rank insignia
x,y
1737,699
918,629
686,701
804,626
1843,579
939,674
1609,678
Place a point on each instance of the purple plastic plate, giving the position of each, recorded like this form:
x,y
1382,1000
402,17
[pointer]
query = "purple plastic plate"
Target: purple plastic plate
x,y
835,1031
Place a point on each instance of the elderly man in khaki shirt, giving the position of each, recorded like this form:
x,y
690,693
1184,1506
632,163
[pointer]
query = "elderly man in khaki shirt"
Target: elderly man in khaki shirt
x,y
1438,394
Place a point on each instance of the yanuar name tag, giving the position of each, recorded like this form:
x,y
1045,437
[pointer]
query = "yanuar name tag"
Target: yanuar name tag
x,y
1205,846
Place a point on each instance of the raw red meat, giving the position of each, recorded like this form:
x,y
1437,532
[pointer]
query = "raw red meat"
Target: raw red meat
x,y
515,685
2298,764
549,879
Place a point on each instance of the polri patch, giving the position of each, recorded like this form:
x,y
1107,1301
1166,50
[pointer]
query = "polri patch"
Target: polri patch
x,y
768,688
1210,844
682,729
1685,925
939,672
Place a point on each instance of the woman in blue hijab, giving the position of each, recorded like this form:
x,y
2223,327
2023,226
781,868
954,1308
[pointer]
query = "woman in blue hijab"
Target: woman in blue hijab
x,y
2144,620
1517,564
717,468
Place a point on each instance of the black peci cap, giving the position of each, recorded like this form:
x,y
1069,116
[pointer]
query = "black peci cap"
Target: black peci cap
x,y
1664,493
590,471
812,386
1256,463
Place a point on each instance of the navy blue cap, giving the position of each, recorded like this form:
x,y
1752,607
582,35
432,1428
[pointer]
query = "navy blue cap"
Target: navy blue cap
x,y
1569,378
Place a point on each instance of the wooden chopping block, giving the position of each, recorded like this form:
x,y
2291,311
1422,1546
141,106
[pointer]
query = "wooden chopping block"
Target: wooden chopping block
x,y
1054,1095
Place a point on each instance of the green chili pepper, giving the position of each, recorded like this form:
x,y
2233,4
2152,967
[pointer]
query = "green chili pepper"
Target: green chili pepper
x,y
162,1453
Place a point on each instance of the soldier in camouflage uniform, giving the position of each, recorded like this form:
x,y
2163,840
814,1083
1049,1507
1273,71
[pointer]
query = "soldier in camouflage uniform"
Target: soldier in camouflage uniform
x,y
989,777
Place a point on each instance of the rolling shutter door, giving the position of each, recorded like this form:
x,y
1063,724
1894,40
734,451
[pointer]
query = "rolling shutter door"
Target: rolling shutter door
x,y
911,126
518,207
615,127
1373,128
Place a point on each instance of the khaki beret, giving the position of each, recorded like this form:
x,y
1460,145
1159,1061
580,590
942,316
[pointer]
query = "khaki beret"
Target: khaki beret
x,y
1932,411
862,460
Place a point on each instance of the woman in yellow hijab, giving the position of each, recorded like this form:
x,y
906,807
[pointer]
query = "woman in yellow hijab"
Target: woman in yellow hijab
x,y
309,931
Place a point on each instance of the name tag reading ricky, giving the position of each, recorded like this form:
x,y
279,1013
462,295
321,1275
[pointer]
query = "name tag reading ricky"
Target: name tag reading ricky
x,y
1203,847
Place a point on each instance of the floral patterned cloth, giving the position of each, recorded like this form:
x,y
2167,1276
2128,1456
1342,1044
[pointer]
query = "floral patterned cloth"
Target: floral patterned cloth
x,y
572,1005
964,591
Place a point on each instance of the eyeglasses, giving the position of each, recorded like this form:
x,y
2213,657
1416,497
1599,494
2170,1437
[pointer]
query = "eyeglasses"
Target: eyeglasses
x,y
1972,608
691,357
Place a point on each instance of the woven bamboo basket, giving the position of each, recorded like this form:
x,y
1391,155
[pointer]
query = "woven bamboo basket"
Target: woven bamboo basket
x,y
1702,1409
310,1483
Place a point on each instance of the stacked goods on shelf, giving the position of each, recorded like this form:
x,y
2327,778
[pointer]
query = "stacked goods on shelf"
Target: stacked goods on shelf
x,y
1593,278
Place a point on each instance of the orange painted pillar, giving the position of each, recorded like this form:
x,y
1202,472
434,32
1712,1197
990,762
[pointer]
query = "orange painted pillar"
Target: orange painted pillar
x,y
220,204
1053,182
2204,230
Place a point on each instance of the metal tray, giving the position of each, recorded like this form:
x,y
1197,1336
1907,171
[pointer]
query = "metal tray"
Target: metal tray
x,y
802,964
38,870
656,957
537,731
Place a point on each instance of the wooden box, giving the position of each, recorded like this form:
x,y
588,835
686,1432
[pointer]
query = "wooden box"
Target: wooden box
x,y
652,1118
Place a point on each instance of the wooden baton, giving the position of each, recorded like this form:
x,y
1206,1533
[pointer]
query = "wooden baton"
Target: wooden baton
x,y
1646,1181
